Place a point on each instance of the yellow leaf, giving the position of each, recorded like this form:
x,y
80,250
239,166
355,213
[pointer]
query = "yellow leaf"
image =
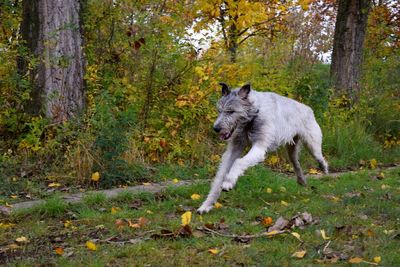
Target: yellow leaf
x,y
282,189
213,251
186,218
195,196
175,180
373,163
146,184
95,176
385,186
267,221
217,205
297,235
14,196
91,246
54,185
323,234
273,160
272,233
313,171
59,251
67,223
356,260
299,254
377,259
284,203
6,225
22,239
149,212
115,210
268,190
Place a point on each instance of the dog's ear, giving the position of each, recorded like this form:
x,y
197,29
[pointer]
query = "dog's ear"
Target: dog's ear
x,y
225,89
244,91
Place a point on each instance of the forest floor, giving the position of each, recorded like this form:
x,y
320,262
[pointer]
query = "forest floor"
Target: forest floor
x,y
267,220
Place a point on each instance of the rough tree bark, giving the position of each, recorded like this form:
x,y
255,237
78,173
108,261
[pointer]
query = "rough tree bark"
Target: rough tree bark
x,y
351,23
52,34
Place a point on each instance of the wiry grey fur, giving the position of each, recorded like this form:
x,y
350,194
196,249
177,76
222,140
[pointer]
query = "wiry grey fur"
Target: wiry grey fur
x,y
266,121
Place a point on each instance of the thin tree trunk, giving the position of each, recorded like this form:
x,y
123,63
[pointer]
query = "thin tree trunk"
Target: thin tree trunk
x,y
51,30
351,23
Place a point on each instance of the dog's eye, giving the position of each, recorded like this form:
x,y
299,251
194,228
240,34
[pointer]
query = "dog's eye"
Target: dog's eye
x,y
230,112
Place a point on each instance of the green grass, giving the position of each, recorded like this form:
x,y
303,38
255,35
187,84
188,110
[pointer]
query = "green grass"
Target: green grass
x,y
372,220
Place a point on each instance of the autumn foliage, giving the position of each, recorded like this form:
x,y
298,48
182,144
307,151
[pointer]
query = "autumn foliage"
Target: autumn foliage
x,y
151,82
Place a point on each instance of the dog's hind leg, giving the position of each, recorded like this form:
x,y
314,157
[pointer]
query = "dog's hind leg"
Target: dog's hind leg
x,y
293,153
233,152
313,142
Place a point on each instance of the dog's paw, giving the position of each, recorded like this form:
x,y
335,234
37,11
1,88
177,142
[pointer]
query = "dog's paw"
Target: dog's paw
x,y
204,209
227,185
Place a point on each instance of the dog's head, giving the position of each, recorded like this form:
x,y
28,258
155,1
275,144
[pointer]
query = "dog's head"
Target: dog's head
x,y
234,110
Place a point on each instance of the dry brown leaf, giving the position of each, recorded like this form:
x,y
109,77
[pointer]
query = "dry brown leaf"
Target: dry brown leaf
x,y
280,224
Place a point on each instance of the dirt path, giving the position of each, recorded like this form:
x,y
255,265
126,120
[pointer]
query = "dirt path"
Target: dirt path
x,y
152,188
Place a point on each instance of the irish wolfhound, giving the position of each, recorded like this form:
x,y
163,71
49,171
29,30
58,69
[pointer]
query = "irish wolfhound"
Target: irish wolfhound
x,y
266,120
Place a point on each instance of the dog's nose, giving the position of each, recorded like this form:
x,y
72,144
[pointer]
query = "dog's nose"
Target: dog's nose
x,y
217,128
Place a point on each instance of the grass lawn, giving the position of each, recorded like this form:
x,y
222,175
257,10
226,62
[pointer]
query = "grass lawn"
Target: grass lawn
x,y
359,213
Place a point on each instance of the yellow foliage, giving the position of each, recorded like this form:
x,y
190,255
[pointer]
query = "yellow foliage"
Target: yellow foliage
x,y
186,218
91,246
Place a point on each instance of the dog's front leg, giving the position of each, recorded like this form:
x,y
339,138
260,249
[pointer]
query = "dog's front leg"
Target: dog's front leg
x,y
254,156
231,154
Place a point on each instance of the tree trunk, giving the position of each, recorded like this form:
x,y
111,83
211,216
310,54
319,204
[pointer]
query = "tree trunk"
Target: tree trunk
x,y
51,31
351,23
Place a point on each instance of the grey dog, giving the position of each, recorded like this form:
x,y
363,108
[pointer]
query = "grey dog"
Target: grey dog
x,y
266,121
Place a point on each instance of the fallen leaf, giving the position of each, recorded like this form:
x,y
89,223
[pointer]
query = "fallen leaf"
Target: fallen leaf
x,y
272,233
195,196
370,233
91,246
299,254
284,203
59,250
184,231
186,218
280,224
213,251
282,189
267,221
6,225
95,176
115,210
217,205
323,234
373,163
54,185
14,196
313,171
377,259
146,184
67,223
380,176
385,186
297,235
356,260
175,180
268,190
22,239
119,223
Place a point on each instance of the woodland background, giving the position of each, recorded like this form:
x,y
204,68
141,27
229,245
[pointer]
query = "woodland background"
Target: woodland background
x,y
145,96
